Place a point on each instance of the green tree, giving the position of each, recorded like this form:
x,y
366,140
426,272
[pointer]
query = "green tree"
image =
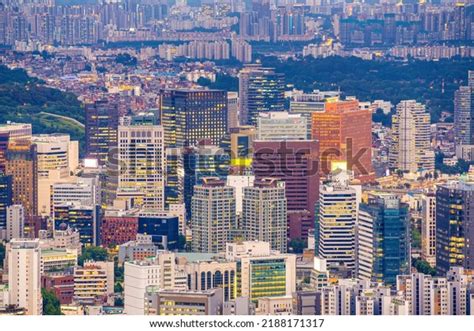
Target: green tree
x,y
51,304
423,267
430,82
94,253
118,272
297,245
415,238
27,100
126,59
118,288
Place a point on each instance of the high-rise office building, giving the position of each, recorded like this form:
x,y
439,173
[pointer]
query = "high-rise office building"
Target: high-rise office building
x,y
56,152
4,138
213,215
464,119
232,110
12,132
57,157
102,120
463,111
146,276
196,163
411,138
24,275
428,228
6,198
344,132
296,164
261,90
454,226
336,220
17,131
85,219
142,164
22,167
306,104
189,116
281,126
264,215
138,275
172,192
383,239
118,229
85,191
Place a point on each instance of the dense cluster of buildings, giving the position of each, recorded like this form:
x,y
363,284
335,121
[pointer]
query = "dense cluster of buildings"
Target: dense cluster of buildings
x,y
208,27
208,213
186,200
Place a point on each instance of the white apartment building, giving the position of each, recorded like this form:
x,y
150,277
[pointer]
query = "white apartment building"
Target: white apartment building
x,y
411,138
213,215
24,275
15,222
264,215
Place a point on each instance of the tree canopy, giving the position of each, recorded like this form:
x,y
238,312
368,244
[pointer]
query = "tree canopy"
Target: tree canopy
x,y
423,267
26,99
51,304
94,253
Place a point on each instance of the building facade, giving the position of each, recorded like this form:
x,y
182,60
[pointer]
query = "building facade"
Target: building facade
x,y
102,120
344,132
141,166
213,215
454,222
383,239
411,138
189,116
264,214
24,275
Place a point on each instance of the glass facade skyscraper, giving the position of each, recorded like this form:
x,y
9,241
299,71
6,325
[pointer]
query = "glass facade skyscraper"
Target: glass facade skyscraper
x,y
383,239
102,119
454,226
189,116
5,198
261,90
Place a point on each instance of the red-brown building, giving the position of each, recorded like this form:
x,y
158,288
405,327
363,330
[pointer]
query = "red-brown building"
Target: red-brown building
x,y
61,285
299,223
118,230
295,163
344,133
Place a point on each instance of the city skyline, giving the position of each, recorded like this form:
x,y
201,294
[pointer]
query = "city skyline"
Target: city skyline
x,y
259,158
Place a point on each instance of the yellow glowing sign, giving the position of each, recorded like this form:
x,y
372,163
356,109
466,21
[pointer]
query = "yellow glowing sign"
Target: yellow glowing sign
x,y
241,162
335,165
